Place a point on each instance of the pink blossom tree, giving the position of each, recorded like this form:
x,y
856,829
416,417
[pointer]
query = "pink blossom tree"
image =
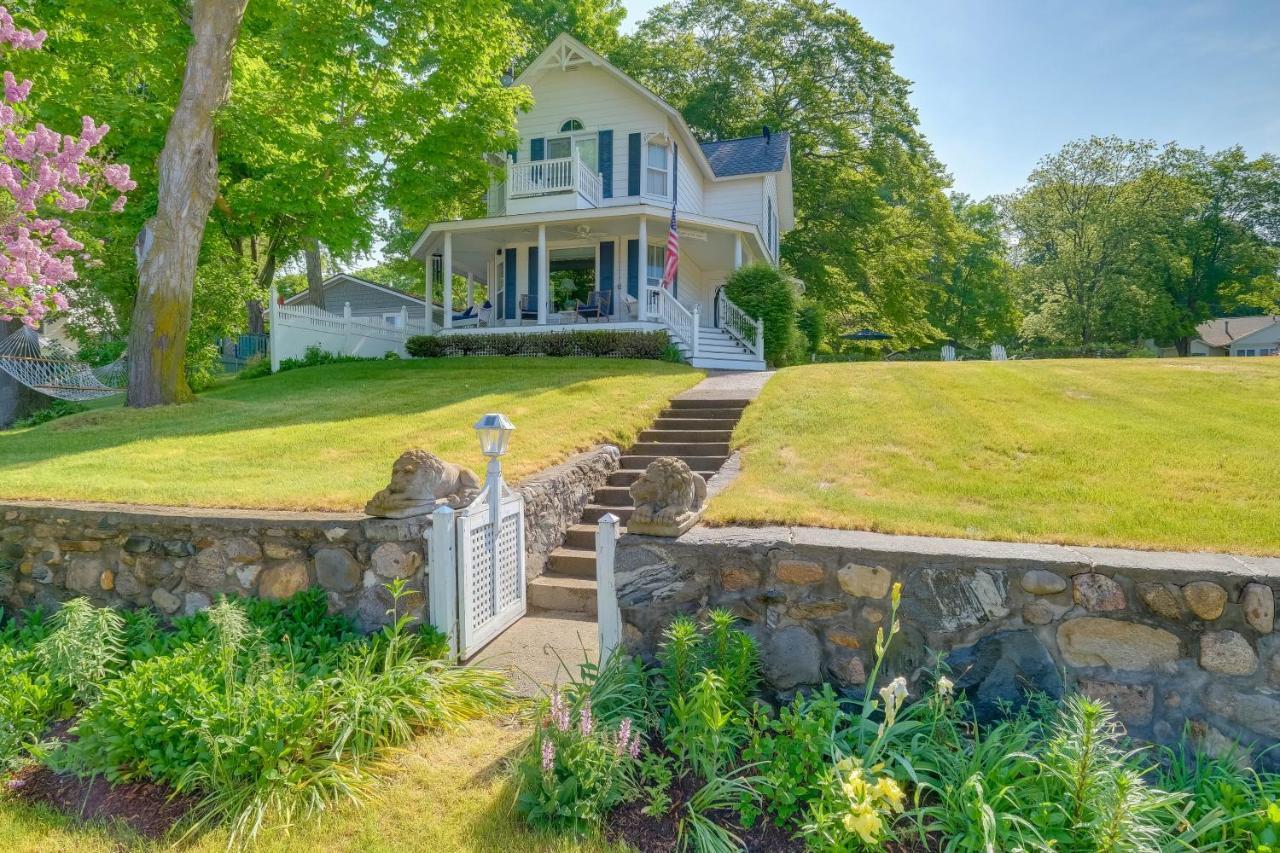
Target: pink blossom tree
x,y
44,175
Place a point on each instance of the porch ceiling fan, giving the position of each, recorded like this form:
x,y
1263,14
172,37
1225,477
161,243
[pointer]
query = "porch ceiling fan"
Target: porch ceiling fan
x,y
584,231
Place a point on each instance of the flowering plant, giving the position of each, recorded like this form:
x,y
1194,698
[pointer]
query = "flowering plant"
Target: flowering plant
x,y
575,771
43,173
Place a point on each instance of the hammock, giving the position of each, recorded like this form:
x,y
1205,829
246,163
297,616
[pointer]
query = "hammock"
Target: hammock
x,y
45,366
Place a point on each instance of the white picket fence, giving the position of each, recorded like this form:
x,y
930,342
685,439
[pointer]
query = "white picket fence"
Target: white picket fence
x,y
296,328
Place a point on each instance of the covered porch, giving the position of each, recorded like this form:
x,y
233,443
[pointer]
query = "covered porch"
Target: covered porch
x,y
582,267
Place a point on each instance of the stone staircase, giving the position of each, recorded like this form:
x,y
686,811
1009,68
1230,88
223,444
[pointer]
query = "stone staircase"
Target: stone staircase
x,y
718,350
695,430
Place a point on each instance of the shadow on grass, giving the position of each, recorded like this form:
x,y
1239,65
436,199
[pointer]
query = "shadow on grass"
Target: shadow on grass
x,y
320,395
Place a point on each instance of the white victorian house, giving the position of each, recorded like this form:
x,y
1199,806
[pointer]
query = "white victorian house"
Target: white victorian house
x,y
577,231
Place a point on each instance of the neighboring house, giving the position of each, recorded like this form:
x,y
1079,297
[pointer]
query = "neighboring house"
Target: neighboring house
x,y
366,298
586,205
1238,336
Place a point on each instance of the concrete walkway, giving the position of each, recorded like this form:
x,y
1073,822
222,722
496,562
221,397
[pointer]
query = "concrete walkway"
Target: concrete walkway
x,y
535,650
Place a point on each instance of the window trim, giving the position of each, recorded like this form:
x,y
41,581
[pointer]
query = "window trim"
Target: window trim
x,y
662,263
568,126
647,169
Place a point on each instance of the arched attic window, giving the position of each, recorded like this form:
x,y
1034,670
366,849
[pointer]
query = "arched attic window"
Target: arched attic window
x,y
570,126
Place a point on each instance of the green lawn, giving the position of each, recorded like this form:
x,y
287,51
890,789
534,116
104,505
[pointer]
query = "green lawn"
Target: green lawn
x,y
447,793
1167,454
325,437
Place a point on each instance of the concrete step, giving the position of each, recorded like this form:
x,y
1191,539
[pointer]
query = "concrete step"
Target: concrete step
x,y
612,496
728,423
704,465
741,364
573,562
557,592
593,512
677,436
581,536
683,403
728,417
680,448
624,477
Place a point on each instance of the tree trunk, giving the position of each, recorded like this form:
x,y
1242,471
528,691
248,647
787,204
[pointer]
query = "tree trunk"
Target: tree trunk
x,y
168,246
315,274
16,400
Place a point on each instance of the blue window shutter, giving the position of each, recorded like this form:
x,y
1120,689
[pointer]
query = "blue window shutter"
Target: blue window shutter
x,y
606,267
514,154
509,272
533,277
537,148
633,164
604,149
633,268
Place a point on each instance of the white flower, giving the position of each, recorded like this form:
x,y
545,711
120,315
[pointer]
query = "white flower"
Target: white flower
x,y
946,687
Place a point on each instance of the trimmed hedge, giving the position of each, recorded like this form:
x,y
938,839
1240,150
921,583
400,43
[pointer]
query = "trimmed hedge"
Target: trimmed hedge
x,y
598,343
761,291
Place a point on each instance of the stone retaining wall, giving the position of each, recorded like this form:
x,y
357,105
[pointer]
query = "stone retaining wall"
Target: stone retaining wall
x,y
176,560
1168,639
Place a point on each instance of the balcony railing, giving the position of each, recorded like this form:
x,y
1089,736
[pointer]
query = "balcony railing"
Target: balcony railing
x,y
548,177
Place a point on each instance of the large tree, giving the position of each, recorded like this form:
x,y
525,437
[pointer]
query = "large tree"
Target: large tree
x,y
872,215
973,302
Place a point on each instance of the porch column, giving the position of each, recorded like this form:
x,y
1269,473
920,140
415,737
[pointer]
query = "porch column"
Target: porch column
x,y
619,277
544,285
431,320
642,311
737,251
446,270
471,293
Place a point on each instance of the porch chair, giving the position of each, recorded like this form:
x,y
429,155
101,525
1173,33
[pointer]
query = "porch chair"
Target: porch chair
x,y
597,305
948,353
485,317
466,318
998,353
527,311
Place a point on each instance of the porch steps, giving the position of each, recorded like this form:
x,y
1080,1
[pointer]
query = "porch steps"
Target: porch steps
x,y
718,350
695,430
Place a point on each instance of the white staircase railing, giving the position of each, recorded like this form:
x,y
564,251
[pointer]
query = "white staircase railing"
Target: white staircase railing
x,y
668,311
741,326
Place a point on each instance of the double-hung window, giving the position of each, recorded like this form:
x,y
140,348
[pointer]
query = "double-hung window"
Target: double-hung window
x,y
655,263
392,321
657,169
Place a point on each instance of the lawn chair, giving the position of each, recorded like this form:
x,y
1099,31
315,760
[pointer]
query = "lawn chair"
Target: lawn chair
x,y
527,311
597,306
485,315
948,353
466,318
998,353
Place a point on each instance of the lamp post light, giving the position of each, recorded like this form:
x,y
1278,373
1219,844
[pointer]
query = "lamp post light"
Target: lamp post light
x,y
494,432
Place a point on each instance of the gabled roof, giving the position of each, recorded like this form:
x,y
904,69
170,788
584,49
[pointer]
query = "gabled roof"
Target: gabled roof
x,y
750,155
1224,331
342,276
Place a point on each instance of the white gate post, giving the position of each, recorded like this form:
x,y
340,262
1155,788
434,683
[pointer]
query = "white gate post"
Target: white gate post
x,y
442,580
608,615
273,317
697,320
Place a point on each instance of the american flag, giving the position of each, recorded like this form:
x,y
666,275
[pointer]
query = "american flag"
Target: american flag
x,y
673,252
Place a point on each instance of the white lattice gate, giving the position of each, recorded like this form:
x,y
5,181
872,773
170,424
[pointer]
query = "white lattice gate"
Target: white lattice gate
x,y
491,589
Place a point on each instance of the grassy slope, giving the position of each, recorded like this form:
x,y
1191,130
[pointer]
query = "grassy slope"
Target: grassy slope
x,y
325,437
447,793
1176,454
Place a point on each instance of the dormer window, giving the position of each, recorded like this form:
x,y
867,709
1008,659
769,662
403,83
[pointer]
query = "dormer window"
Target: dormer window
x,y
657,168
570,126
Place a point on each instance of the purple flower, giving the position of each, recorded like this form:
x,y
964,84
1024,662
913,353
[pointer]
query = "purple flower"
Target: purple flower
x,y
548,755
559,711
635,745
624,735
584,720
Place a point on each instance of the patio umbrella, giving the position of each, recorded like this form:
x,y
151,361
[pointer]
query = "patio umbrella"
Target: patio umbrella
x,y
866,335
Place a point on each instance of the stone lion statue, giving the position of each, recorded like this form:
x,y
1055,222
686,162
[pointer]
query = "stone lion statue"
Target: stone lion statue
x,y
421,482
668,498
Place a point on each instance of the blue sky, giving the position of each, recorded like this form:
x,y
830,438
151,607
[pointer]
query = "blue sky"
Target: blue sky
x,y
999,84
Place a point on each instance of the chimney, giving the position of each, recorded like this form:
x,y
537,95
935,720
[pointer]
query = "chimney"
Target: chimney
x,y
768,134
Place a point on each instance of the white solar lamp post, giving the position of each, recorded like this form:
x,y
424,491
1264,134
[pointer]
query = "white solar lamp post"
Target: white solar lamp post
x,y
494,432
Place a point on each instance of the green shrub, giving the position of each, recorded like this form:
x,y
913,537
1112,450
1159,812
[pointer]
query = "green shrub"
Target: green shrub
x,y
601,343
761,291
54,410
314,356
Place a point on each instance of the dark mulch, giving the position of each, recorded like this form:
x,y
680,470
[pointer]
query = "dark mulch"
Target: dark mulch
x,y
628,824
148,809
144,807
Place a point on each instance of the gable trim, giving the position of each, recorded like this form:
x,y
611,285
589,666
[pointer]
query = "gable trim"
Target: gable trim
x,y
333,279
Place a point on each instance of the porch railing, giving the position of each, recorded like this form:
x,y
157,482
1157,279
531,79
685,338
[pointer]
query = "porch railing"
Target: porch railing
x,y
740,325
667,310
545,177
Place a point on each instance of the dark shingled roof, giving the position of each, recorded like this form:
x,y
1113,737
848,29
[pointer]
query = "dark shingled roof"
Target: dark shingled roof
x,y
747,156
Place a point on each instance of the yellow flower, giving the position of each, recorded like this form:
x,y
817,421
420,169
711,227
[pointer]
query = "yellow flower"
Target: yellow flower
x,y
865,822
889,791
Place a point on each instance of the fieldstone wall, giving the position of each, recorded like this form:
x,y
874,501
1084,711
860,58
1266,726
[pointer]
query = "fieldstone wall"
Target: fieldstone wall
x,y
554,500
177,560
1168,639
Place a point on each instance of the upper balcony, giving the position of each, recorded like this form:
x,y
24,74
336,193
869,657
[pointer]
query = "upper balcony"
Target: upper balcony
x,y
565,183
